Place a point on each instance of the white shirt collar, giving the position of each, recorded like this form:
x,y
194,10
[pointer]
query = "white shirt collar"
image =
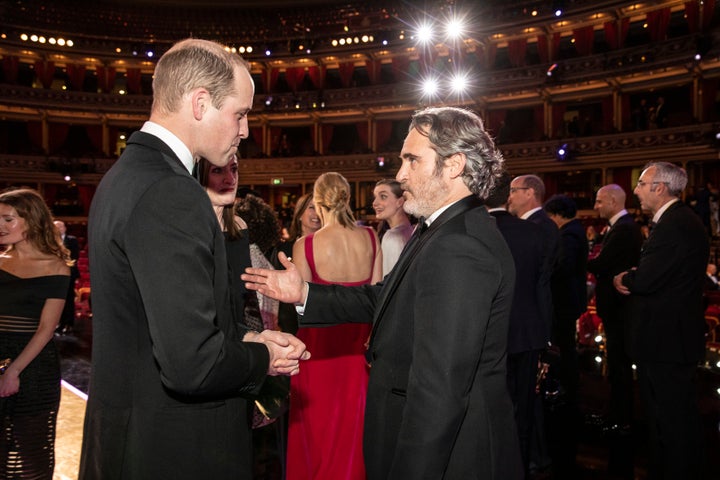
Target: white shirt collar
x,y
437,213
497,209
615,217
659,213
172,141
527,214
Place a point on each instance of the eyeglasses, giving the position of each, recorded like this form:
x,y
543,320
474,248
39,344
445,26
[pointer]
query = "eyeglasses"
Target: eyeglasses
x,y
515,189
640,183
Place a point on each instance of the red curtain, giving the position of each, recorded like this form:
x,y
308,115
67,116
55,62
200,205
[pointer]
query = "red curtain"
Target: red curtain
x,y
555,46
106,78
516,51
658,21
346,72
34,130
76,75
327,133
317,76
275,133
294,77
400,67
373,69
362,130
614,38
10,68
493,119
58,133
45,72
584,38
709,88
85,195
623,176
256,133
50,193
543,50
274,75
692,14
383,131
94,132
708,11
133,77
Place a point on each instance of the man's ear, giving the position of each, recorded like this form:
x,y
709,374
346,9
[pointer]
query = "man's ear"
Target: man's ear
x,y
200,99
456,164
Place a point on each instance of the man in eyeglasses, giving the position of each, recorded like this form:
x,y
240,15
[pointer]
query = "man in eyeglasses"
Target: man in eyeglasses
x,y
667,330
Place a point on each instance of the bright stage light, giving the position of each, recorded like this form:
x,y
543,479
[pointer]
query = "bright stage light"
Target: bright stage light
x,y
424,33
455,28
430,87
459,83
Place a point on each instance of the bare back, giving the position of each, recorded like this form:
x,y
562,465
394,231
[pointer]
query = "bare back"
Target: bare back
x,y
341,254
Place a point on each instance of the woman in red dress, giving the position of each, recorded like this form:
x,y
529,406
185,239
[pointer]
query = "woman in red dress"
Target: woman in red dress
x,y
327,401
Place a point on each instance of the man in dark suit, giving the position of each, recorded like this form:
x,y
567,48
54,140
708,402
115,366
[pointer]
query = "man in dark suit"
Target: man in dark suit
x,y
527,193
67,319
620,251
437,403
529,324
667,332
169,361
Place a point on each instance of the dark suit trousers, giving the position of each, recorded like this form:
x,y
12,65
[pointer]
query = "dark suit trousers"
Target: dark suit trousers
x,y
669,394
620,373
522,373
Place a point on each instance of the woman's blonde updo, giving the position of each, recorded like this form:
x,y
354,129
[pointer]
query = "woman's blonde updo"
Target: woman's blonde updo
x,y
331,194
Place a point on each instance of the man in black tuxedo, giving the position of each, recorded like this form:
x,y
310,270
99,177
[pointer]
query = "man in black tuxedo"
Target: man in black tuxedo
x,y
437,403
667,332
620,251
169,362
527,193
528,335
67,319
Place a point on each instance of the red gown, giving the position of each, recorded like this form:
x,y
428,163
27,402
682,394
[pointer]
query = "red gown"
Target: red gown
x,y
327,399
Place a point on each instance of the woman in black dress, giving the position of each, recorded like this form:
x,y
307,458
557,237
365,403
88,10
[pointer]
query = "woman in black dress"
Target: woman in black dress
x,y
34,278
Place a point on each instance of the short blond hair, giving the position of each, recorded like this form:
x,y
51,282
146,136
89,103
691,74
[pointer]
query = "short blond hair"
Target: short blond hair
x,y
191,64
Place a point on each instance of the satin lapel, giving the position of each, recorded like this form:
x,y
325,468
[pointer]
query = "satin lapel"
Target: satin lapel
x,y
401,268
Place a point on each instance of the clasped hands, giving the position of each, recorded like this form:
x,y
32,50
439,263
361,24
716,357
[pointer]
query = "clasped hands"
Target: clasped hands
x,y
286,351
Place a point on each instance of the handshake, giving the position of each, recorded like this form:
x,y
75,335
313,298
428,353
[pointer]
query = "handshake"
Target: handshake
x,y
286,351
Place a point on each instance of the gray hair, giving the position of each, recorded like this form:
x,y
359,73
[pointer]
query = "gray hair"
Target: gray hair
x,y
675,177
454,130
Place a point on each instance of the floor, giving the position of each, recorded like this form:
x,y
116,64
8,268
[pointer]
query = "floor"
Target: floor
x,y
593,447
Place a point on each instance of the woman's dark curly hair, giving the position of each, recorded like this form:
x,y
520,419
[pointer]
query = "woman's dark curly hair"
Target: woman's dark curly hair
x,y
262,221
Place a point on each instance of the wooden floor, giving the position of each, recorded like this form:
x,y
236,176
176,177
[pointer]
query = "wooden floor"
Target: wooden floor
x,y
68,438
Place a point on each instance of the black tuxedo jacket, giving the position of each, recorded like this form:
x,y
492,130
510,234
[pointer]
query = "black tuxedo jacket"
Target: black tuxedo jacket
x,y
437,403
569,280
529,322
668,322
620,251
551,238
168,363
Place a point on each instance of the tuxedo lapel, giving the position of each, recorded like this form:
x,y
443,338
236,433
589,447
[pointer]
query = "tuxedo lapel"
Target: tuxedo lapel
x,y
408,256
